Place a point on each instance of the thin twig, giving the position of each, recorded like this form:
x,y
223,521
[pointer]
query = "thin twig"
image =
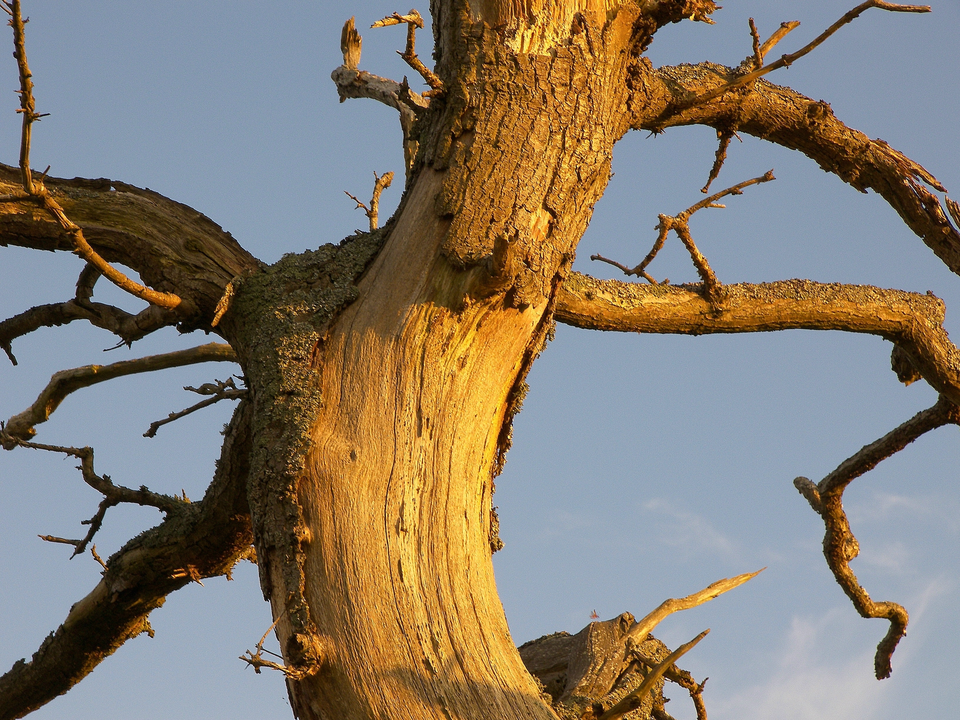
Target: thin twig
x,y
678,223
38,192
757,54
839,544
724,137
96,556
256,661
778,35
789,59
222,390
380,183
413,20
63,383
112,494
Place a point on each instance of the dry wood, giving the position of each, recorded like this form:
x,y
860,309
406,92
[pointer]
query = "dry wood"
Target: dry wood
x,y
645,626
839,544
385,372
21,426
633,700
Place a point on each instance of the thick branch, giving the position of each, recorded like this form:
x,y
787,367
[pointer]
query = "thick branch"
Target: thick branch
x,y
912,321
787,118
174,248
205,539
67,381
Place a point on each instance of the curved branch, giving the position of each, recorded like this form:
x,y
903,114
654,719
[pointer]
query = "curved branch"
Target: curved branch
x,y
790,58
63,383
913,321
788,118
174,248
205,539
127,326
839,544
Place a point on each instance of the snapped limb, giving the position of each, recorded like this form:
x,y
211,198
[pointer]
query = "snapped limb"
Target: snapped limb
x,y
609,668
352,82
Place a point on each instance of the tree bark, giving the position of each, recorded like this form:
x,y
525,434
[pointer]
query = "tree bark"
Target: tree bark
x,y
384,373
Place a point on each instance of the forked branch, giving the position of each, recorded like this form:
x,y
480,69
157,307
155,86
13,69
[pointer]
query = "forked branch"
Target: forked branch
x,y
789,59
633,700
679,224
788,118
21,426
217,391
380,183
127,326
352,82
204,539
112,494
413,20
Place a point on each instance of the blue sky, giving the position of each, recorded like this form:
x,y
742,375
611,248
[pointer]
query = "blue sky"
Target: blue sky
x,y
642,468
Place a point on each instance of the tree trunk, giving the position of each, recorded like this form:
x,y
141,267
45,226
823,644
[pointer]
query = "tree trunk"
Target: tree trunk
x,y
384,373
381,576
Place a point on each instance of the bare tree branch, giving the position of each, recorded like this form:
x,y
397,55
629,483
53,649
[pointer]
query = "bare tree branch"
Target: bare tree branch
x,y
913,321
354,83
112,494
634,699
170,245
37,191
381,182
644,627
413,21
63,383
222,390
789,59
204,539
788,118
679,224
127,326
839,544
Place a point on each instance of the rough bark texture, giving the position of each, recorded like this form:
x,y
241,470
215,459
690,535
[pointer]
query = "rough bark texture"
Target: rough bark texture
x,y
384,372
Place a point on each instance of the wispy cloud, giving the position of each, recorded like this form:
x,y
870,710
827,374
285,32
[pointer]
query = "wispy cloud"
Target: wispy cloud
x,y
688,531
808,683
816,677
884,506
560,522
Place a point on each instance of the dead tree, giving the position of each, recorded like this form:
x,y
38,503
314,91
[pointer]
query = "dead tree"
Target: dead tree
x,y
382,374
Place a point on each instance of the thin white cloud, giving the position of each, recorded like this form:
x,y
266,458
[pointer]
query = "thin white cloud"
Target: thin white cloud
x,y
813,678
808,683
689,531
562,522
929,509
893,557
